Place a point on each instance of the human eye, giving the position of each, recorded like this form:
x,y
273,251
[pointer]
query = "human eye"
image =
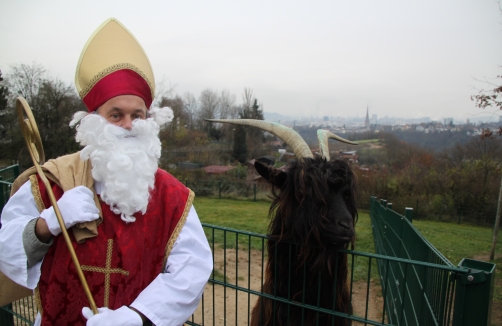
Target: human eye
x,y
139,115
115,116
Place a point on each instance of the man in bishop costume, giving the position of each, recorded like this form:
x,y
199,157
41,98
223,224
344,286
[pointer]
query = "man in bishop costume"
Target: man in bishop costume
x,y
135,231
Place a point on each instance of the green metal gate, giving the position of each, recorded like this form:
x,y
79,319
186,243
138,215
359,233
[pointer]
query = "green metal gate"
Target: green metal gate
x,y
432,293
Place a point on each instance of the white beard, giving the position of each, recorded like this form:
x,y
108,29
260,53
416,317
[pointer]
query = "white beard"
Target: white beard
x,y
124,161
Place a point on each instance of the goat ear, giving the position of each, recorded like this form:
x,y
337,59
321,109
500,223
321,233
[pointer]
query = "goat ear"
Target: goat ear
x,y
272,175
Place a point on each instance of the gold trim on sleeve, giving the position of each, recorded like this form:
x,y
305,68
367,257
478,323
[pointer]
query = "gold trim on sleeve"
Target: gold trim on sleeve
x,y
38,300
179,226
36,192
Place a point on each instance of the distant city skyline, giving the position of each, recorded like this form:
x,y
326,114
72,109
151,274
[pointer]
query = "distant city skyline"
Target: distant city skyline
x,y
375,119
401,58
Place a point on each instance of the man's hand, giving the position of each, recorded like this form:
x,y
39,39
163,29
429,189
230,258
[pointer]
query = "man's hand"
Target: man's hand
x,y
106,317
76,205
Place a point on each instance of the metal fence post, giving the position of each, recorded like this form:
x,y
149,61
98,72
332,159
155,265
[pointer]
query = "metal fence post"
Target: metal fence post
x,y
6,317
408,213
473,293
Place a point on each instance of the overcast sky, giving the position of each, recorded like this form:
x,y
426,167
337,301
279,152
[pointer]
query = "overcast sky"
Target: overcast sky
x,y
401,58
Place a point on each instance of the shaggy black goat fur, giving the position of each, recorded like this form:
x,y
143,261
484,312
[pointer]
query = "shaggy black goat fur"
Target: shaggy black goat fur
x,y
313,214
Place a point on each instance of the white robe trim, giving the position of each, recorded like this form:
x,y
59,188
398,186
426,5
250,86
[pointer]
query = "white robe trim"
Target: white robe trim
x,y
170,299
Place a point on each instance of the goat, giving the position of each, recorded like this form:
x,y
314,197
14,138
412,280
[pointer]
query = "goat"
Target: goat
x,y
313,214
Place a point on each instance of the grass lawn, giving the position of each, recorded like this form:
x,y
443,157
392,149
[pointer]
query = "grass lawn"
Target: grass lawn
x,y
453,240
253,217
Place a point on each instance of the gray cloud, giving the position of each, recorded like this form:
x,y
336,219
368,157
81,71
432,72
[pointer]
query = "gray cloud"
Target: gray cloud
x,y
401,58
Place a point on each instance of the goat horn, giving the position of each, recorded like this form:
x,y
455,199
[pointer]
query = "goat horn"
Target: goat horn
x,y
323,136
288,135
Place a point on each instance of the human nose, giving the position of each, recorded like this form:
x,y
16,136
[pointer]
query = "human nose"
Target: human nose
x,y
127,123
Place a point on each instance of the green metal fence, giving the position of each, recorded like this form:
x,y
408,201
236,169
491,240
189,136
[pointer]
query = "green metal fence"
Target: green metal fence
x,y
9,173
7,177
221,188
406,282
433,293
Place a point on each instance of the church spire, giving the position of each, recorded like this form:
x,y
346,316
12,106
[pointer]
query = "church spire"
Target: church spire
x,y
367,121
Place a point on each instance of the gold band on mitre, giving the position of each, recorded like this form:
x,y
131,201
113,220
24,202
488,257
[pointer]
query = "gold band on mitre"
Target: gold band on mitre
x,y
113,63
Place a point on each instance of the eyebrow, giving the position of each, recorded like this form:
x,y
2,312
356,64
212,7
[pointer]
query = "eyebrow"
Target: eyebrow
x,y
135,110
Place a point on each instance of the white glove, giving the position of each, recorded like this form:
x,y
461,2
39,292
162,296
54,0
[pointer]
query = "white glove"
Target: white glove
x,y
123,316
76,206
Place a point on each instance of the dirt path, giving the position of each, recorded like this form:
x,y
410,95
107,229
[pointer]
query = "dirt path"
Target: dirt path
x,y
228,306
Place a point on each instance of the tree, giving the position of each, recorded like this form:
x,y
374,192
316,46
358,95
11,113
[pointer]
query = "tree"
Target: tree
x,y
4,92
251,110
227,110
489,98
208,108
53,103
255,135
492,98
163,89
26,81
57,102
181,116
240,151
191,106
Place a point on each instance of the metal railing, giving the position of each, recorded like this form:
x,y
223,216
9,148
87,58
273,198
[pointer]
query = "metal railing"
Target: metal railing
x,y
431,293
7,177
240,189
9,173
406,282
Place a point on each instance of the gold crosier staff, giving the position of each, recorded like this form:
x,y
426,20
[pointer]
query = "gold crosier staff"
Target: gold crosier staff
x,y
34,143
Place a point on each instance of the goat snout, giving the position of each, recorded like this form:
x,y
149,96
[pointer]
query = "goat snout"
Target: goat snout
x,y
345,224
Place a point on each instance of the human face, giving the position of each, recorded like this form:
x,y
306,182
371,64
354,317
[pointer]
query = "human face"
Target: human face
x,y
122,110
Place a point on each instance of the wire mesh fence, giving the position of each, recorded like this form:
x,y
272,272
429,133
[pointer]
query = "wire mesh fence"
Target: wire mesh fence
x,y
395,296
237,189
399,285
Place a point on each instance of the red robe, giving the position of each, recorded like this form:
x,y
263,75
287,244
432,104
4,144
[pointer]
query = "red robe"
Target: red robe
x,y
119,262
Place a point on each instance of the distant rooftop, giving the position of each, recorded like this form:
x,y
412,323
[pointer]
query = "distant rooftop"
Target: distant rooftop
x,y
217,169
